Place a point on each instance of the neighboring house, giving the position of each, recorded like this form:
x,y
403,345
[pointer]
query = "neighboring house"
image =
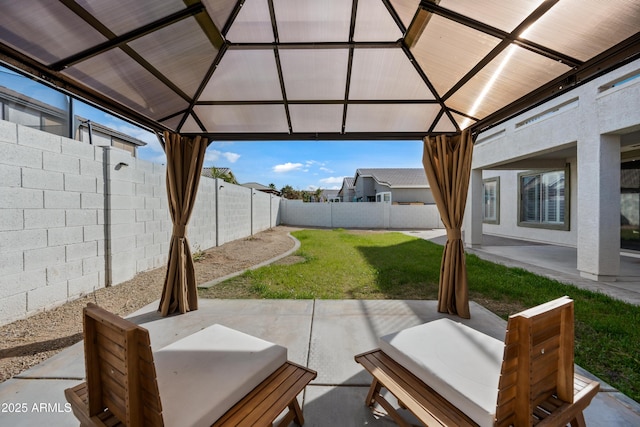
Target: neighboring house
x,y
19,108
566,172
224,174
396,185
330,196
102,136
347,192
321,196
262,188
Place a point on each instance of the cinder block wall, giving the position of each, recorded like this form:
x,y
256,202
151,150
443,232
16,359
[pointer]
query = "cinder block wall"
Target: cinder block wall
x,y
51,220
234,212
75,217
261,202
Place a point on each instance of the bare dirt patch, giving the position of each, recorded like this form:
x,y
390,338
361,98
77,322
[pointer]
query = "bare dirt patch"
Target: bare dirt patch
x,y
29,341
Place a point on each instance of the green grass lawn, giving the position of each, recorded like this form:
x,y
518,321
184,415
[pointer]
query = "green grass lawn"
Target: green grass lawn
x,y
339,264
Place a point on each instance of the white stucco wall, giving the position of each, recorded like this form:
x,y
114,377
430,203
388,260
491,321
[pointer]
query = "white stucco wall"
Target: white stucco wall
x,y
582,128
508,226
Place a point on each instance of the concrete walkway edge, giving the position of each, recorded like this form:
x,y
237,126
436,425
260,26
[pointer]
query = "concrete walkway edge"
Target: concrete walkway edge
x,y
296,246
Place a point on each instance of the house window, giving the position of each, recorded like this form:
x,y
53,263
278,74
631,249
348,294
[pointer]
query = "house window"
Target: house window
x,y
383,197
544,199
491,209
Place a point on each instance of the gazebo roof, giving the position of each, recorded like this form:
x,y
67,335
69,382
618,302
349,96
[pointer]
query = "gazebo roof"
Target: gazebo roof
x,y
310,69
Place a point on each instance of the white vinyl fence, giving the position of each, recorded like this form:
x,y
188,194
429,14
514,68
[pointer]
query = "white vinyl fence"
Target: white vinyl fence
x,y
360,215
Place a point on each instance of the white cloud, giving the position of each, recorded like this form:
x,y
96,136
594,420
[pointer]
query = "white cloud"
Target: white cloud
x,y
231,157
214,156
323,169
332,180
287,167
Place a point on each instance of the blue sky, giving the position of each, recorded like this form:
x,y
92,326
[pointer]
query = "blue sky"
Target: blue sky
x,y
304,165
307,165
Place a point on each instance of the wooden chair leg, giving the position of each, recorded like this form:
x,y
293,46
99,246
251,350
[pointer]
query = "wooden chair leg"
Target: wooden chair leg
x,y
294,407
391,411
293,414
374,397
374,390
578,421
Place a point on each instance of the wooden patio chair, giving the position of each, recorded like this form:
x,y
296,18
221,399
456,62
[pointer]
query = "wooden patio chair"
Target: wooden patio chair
x,y
529,378
216,372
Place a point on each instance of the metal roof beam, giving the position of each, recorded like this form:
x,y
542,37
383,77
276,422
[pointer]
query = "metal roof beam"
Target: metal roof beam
x,y
619,55
274,26
418,24
321,102
35,70
347,86
507,39
394,15
319,136
315,45
115,41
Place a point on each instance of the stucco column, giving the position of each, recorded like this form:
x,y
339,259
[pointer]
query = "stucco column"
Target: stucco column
x,y
472,224
598,206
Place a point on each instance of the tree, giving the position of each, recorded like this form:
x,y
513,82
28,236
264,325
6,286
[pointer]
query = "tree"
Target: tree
x,y
289,193
318,194
272,186
224,174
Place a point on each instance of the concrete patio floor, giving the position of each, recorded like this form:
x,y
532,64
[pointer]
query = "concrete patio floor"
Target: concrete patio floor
x,y
322,334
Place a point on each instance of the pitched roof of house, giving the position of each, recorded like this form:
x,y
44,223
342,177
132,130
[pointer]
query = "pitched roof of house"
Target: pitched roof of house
x,y
330,193
260,187
347,184
256,185
396,177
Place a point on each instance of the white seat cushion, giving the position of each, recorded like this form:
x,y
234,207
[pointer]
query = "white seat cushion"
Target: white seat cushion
x,y
202,376
460,363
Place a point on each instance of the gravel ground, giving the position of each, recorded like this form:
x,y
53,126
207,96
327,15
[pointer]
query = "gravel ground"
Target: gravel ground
x,y
29,341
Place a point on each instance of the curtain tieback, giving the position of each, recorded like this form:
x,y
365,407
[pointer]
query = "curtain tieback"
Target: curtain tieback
x,y
179,230
454,234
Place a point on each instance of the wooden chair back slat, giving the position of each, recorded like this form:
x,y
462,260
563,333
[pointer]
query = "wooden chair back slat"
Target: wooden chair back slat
x,y
538,362
121,376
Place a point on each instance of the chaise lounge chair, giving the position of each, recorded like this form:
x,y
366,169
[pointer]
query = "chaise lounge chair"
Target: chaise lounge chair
x,y
446,373
217,376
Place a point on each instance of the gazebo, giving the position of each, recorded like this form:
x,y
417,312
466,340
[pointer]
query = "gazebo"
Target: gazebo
x,y
200,71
